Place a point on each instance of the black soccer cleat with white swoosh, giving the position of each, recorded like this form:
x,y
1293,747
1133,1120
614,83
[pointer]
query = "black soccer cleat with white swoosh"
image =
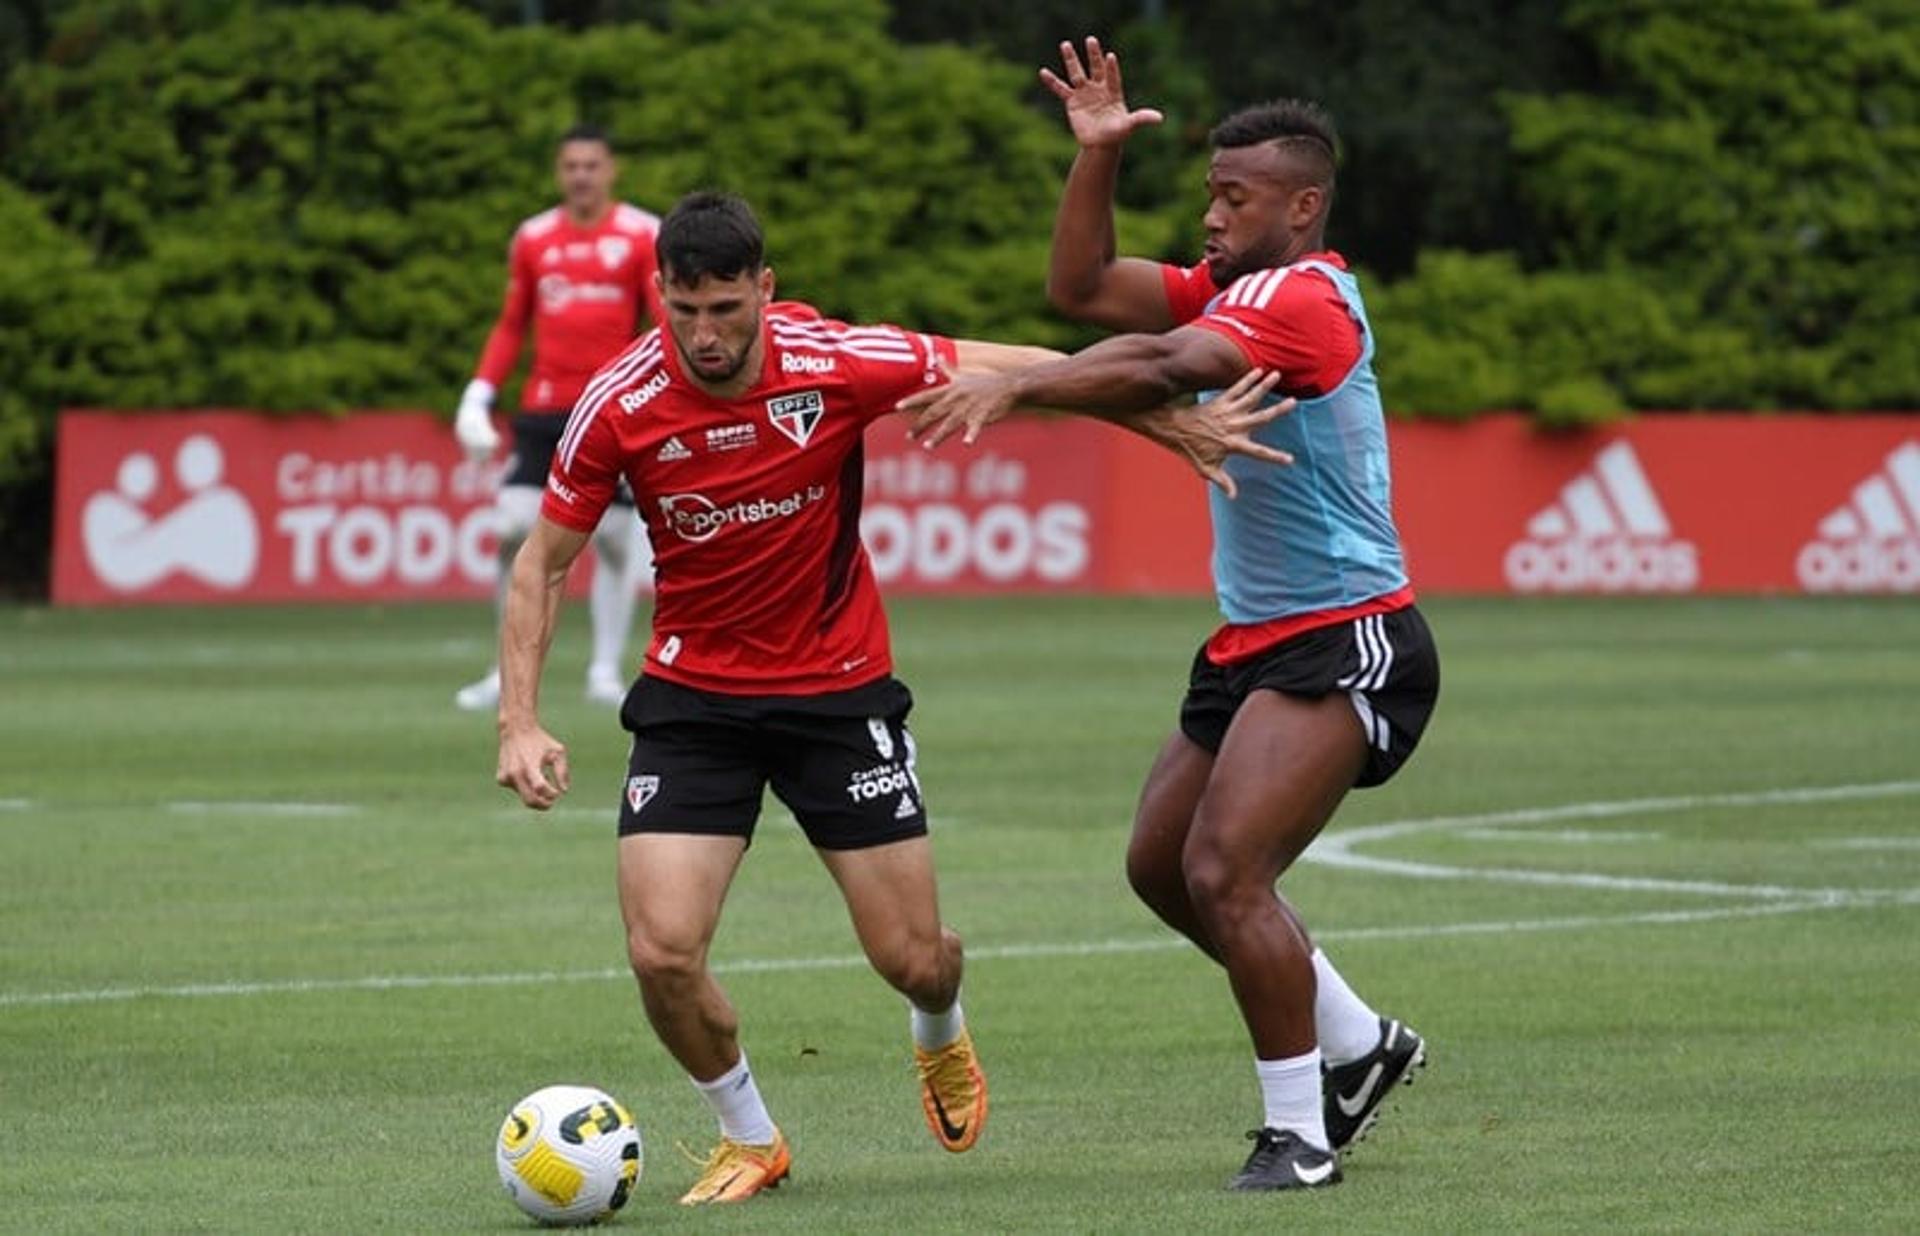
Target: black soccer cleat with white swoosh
x,y
1352,1093
1282,1159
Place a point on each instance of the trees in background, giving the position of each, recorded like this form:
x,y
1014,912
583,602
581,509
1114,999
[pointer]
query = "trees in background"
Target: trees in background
x,y
1574,207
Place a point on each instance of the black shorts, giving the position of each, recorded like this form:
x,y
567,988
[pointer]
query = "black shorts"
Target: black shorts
x,y
536,435
842,762
1385,663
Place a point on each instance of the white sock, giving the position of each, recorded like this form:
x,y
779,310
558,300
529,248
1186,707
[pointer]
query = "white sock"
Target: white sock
x,y
1346,1026
610,597
932,1031
735,1099
1290,1089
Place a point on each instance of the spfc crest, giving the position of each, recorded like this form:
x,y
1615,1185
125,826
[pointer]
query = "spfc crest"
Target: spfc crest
x,y
613,250
640,791
796,415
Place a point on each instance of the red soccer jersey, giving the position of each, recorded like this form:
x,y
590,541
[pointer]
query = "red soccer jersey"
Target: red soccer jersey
x,y
1305,331
584,289
753,504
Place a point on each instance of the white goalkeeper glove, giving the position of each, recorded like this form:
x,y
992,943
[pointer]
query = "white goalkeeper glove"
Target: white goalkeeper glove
x,y
473,424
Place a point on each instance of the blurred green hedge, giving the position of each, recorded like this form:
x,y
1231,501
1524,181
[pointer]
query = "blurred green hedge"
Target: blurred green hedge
x,y
310,209
254,205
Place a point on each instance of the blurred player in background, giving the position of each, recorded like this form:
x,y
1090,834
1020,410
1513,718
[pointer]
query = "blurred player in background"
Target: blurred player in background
x,y
582,275
740,427
1324,675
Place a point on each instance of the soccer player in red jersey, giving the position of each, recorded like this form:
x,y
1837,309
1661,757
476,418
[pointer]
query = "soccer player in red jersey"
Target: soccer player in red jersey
x,y
581,274
1324,674
739,427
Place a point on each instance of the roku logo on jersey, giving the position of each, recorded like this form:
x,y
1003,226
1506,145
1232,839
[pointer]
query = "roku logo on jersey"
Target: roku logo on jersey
x,y
793,362
695,517
638,398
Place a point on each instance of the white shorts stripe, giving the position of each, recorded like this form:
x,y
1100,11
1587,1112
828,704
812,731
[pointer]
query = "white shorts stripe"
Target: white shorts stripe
x,y
1385,666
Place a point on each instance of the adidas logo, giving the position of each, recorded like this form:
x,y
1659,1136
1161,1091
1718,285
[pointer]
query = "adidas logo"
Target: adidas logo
x,y
1872,542
674,449
906,808
1607,533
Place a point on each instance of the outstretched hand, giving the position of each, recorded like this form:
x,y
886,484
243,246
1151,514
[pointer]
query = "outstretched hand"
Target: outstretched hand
x,y
965,406
1095,99
1207,433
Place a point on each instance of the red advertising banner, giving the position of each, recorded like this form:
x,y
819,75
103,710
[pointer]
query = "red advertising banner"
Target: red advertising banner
x,y
1669,504
234,506
216,506
1020,510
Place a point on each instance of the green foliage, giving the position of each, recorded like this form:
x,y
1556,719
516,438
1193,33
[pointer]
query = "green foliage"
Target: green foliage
x,y
293,206
1760,162
1469,333
293,209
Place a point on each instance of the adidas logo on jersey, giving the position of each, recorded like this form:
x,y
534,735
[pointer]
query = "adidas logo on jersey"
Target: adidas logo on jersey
x,y
1606,533
1871,543
673,449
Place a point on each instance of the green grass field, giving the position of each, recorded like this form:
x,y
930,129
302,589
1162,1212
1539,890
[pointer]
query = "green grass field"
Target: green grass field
x,y
276,955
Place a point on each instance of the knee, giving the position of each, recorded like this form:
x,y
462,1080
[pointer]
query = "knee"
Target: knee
x,y
1217,885
1153,878
921,972
660,963
516,508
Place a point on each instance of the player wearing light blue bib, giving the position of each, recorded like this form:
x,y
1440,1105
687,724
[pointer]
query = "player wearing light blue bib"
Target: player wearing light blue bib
x,y
1318,535
1324,674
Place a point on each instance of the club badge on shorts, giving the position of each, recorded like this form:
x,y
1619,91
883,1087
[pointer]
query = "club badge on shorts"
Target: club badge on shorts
x,y
640,791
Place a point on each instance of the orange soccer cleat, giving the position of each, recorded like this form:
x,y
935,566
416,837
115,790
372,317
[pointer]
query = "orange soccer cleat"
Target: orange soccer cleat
x,y
953,1091
736,1171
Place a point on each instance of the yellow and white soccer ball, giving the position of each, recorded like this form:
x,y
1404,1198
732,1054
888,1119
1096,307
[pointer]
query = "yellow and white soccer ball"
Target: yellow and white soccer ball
x,y
569,1155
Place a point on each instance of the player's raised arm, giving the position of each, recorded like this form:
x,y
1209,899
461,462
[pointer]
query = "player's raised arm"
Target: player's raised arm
x,y
1085,278
533,764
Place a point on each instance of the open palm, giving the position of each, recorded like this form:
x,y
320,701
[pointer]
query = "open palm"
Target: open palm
x,y
1095,99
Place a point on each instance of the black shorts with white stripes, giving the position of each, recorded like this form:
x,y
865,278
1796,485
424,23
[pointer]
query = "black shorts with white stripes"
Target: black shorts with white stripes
x,y
1385,663
842,762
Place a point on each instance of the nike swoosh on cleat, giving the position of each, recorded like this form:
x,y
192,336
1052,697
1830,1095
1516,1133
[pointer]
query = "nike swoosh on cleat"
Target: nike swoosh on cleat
x,y
948,1129
1313,1175
1357,1103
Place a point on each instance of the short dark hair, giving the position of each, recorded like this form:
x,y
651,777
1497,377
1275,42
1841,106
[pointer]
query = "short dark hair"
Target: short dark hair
x,y
1295,125
708,233
584,132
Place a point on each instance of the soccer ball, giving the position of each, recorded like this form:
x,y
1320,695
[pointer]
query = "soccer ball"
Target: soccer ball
x,y
568,1155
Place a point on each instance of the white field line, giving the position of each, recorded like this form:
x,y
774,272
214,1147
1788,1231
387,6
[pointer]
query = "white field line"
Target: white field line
x,y
1869,843
15,804
1338,849
237,807
1774,900
1008,952
1574,836
115,654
